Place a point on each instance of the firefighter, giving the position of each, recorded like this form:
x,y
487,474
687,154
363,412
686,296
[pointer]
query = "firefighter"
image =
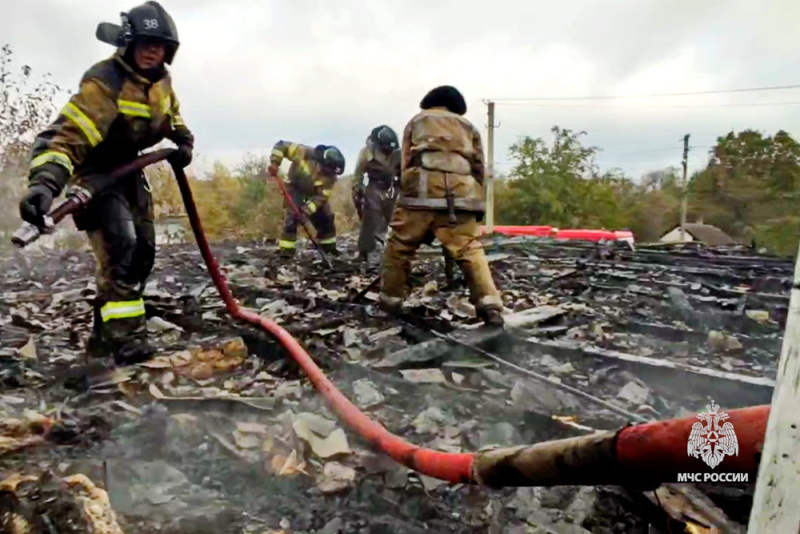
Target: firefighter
x,y
441,191
124,104
380,161
310,181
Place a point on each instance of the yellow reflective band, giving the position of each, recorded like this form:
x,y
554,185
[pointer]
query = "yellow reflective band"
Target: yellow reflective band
x,y
292,151
305,167
285,243
318,183
327,193
311,207
166,104
135,109
278,154
122,310
177,120
53,157
83,122
328,241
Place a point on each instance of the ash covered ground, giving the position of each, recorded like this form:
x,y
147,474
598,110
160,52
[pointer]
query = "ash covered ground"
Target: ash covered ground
x,y
222,433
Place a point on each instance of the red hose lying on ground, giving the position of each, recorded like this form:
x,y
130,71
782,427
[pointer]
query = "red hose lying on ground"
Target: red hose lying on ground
x,y
442,465
648,453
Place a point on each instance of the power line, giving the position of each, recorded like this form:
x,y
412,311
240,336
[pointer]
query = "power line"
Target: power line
x,y
693,93
649,106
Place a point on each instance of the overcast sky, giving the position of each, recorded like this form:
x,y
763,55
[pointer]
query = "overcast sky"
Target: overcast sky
x,y
251,72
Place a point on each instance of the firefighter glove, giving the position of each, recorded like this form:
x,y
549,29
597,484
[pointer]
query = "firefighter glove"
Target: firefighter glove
x,y
35,204
182,157
306,210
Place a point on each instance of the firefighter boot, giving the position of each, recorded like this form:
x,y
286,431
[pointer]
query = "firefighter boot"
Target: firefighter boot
x,y
97,346
286,253
133,352
391,305
491,316
330,249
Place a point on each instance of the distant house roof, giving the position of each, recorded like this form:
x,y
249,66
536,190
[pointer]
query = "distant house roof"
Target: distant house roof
x,y
710,235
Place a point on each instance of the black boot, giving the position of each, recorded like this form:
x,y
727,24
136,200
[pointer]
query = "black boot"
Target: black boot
x,y
133,352
330,249
97,346
286,253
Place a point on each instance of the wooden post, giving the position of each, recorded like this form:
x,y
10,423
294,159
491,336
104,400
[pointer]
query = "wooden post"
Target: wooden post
x,y
776,502
684,186
490,170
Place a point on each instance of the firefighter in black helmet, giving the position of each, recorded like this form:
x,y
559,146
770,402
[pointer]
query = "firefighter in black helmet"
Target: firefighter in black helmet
x,y
310,180
124,104
379,159
441,194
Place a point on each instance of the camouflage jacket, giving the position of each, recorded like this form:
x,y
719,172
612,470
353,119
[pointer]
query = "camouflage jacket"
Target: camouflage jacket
x,y
304,176
377,165
440,151
115,114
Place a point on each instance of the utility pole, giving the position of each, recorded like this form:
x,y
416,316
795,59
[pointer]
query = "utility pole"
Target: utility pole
x,y
490,170
684,188
777,490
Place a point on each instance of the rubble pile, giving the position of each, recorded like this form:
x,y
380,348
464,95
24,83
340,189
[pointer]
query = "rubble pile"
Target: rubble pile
x,y
221,432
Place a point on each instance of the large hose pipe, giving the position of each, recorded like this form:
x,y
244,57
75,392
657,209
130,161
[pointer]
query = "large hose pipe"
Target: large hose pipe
x,y
648,454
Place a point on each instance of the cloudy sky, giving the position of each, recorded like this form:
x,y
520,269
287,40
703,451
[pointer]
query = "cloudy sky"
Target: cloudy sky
x,y
250,72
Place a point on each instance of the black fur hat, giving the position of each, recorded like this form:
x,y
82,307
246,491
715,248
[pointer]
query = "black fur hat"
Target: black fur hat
x,y
445,96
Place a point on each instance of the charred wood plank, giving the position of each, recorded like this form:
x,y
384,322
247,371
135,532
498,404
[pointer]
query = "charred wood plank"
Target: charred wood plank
x,y
732,389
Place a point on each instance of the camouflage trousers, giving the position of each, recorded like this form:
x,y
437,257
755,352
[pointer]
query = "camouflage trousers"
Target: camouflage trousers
x,y
411,228
323,220
377,213
120,228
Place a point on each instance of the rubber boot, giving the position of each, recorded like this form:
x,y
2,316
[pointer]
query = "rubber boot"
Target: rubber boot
x,y
391,305
492,317
330,249
97,346
133,352
286,253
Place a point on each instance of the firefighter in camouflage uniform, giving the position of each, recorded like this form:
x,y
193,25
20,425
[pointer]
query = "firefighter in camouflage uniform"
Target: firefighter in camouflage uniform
x,y
441,193
310,180
124,104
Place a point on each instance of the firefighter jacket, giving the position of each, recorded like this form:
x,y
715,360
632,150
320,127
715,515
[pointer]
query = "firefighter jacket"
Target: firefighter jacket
x,y
380,168
305,176
441,151
115,114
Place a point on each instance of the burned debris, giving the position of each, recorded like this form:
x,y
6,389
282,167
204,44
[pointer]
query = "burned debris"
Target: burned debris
x,y
222,433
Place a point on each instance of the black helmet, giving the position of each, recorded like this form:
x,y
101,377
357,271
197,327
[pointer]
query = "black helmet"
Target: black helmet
x,y
445,96
148,21
330,158
384,137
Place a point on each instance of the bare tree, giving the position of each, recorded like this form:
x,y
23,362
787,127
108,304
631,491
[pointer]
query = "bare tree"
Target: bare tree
x,y
26,108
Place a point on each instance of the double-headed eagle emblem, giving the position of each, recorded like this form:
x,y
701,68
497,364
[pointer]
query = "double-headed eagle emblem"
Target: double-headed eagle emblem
x,y
711,441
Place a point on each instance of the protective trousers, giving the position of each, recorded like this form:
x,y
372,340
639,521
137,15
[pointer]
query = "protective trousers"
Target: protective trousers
x,y
323,220
410,228
379,199
119,224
